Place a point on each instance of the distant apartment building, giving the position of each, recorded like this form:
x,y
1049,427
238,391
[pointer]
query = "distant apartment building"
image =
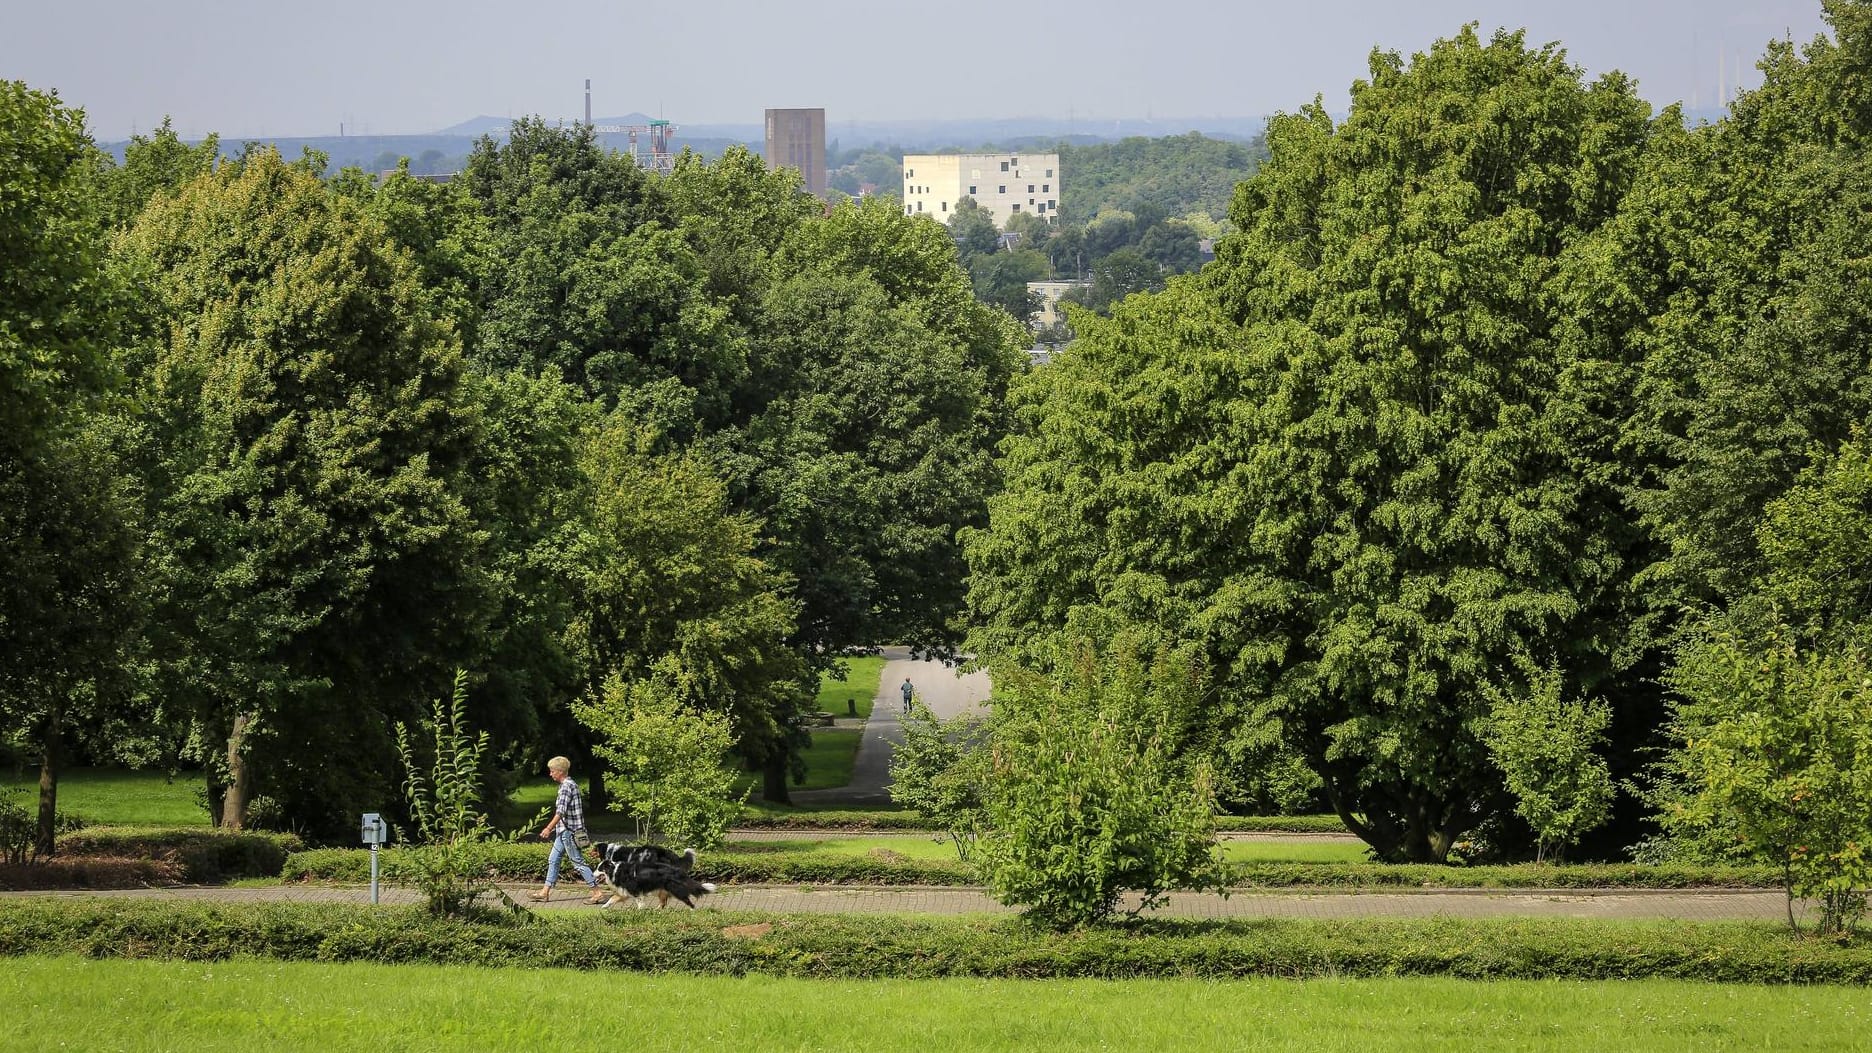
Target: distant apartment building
x,y
1001,183
796,139
1047,296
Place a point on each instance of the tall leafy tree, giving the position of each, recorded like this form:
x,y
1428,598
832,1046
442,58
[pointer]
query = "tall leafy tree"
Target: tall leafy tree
x,y
320,563
1358,499
69,600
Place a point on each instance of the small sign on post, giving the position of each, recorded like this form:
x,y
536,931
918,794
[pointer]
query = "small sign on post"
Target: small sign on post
x,y
376,833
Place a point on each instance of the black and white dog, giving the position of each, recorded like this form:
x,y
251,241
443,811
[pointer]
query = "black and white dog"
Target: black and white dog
x,y
641,870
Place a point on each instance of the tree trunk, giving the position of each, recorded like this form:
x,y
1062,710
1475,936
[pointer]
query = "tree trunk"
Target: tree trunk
x,y
46,834
774,779
240,779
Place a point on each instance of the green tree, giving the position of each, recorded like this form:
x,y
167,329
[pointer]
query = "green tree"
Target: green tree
x,y
667,585
156,164
317,560
1341,465
973,228
70,598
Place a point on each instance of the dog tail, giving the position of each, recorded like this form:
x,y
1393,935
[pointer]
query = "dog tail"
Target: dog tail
x,y
708,886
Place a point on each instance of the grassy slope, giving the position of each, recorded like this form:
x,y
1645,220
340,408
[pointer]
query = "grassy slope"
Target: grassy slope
x,y
71,1003
931,848
858,689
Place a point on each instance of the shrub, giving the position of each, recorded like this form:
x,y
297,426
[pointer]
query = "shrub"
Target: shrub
x,y
668,764
449,862
1777,754
1545,746
941,771
19,828
201,856
1086,800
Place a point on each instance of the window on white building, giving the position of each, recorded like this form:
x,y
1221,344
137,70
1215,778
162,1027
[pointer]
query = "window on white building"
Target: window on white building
x,y
971,191
1049,173
1015,206
1004,166
1001,189
945,206
1046,188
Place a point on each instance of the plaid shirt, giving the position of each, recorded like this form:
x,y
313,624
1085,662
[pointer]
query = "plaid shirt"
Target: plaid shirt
x,y
571,811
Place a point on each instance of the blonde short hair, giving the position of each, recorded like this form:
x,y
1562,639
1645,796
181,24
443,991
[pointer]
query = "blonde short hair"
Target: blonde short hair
x,y
559,764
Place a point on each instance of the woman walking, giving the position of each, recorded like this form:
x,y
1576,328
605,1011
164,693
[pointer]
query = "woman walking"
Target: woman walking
x,y
567,825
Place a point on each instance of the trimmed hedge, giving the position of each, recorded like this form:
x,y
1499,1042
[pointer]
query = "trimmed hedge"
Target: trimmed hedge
x,y
727,864
1280,824
200,856
856,947
837,819
528,863
860,819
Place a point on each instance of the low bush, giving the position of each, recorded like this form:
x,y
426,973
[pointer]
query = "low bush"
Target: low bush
x,y
198,856
871,946
835,819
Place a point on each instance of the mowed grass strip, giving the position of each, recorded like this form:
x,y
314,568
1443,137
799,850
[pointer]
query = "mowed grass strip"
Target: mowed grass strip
x,y
114,797
242,1005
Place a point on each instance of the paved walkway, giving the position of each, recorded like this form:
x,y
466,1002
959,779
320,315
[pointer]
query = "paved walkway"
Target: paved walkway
x,y
937,685
1622,905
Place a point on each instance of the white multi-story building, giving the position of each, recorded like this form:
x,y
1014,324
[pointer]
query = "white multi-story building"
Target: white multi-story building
x,y
1001,183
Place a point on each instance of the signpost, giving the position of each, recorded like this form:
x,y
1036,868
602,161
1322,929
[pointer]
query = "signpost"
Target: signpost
x,y
375,832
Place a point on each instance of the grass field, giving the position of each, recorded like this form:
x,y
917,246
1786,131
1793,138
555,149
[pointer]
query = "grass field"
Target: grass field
x,y
857,690
112,797
71,1003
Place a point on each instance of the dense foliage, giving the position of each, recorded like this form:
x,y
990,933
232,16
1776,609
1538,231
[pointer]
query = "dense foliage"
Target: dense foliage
x,y
1502,388
290,447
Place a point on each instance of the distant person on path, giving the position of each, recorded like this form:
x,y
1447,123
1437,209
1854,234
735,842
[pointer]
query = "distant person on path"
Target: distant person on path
x,y
908,693
568,823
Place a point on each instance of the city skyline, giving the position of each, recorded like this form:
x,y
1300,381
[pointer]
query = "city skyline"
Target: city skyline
x,y
416,67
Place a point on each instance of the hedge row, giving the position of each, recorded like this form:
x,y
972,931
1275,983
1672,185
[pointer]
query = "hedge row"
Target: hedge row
x,y
837,819
1280,824
196,856
855,819
734,865
856,947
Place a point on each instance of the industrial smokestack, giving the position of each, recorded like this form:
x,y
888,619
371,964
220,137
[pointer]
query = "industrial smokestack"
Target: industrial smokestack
x,y
588,102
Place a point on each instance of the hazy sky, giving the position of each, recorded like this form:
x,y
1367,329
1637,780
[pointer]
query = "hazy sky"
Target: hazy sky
x,y
407,66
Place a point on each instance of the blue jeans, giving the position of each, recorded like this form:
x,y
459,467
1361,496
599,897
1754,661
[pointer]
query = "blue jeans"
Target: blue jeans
x,y
563,845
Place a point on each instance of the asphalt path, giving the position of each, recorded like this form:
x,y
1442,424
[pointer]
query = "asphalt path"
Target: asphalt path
x,y
938,685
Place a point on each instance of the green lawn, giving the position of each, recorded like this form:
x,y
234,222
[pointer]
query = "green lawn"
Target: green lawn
x,y
1285,851
857,690
112,797
828,762
205,1007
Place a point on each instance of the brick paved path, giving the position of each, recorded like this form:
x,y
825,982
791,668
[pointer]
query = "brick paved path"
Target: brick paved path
x,y
1624,904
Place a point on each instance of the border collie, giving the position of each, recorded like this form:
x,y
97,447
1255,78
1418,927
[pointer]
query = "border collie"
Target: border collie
x,y
641,870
